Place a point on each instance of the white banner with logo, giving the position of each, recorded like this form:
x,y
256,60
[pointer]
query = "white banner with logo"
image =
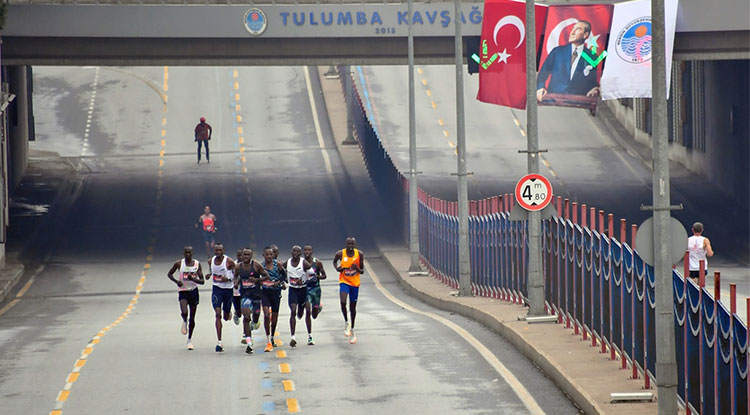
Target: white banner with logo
x,y
627,72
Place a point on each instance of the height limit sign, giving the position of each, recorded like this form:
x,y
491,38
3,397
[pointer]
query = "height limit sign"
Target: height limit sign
x,y
533,192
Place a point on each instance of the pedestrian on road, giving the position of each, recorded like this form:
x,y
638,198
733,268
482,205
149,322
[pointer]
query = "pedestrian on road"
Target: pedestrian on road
x,y
203,133
187,290
207,222
350,263
699,248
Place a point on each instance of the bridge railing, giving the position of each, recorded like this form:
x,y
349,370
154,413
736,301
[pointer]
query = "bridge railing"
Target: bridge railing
x,y
595,283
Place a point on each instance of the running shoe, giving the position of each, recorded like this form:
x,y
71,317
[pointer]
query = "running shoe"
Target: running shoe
x,y
293,343
353,338
236,320
249,349
243,341
256,325
190,346
219,348
269,347
183,329
347,329
310,341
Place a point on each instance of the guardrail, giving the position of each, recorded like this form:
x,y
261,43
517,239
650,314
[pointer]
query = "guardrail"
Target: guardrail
x,y
595,283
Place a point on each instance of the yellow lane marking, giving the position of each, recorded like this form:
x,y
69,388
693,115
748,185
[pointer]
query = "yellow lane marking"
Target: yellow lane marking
x,y
237,97
146,266
72,377
242,159
63,396
445,133
239,130
280,354
523,133
236,85
234,73
80,362
420,71
163,122
288,385
237,107
451,144
285,368
441,122
163,133
241,140
88,350
429,93
55,412
292,406
244,169
434,105
546,163
20,294
518,123
519,389
166,78
163,143
553,172
239,118
161,163
424,82
161,153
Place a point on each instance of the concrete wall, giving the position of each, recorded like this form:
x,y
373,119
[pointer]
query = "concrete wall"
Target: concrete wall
x,y
20,123
726,126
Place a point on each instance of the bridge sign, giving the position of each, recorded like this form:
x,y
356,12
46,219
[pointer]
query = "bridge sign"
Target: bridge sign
x,y
533,192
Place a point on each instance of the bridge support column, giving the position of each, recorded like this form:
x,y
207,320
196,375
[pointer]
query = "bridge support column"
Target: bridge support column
x,y
20,123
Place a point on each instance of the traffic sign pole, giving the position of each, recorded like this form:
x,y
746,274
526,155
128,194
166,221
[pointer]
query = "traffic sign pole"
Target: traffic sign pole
x,y
464,264
536,280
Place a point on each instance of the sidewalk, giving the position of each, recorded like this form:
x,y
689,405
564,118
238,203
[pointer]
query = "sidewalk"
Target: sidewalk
x,y
587,376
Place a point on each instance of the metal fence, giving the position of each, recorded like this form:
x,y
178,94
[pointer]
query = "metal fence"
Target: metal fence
x,y
595,282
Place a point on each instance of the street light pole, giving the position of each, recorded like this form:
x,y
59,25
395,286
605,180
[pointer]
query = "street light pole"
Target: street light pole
x,y
666,365
413,189
464,266
536,279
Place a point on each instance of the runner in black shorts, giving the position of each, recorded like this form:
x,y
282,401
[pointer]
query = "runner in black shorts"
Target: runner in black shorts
x,y
221,294
271,295
236,303
313,306
190,275
249,275
297,270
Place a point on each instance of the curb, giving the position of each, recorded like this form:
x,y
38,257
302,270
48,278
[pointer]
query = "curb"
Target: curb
x,y
10,275
583,400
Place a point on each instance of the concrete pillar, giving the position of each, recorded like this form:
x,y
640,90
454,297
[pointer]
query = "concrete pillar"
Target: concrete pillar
x,y
19,122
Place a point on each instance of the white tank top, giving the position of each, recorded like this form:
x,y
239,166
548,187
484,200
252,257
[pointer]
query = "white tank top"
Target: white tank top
x,y
185,272
230,275
696,252
297,275
217,271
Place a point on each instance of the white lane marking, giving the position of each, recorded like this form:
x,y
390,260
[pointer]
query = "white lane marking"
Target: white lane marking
x,y
319,133
520,390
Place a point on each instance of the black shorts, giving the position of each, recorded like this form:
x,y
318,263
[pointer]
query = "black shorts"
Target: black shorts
x,y
190,296
696,275
271,298
297,295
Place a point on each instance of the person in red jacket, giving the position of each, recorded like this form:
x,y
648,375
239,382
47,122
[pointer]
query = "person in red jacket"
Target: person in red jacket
x,y
203,135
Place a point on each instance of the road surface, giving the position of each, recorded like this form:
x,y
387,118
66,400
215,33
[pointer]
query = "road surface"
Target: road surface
x,y
97,327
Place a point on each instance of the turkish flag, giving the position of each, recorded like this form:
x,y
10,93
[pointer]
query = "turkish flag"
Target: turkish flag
x,y
502,67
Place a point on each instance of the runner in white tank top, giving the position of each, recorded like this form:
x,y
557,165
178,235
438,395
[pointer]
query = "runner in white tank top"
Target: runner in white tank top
x,y
222,275
298,271
190,275
699,249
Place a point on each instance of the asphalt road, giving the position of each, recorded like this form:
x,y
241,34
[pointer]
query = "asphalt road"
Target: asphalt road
x,y
97,331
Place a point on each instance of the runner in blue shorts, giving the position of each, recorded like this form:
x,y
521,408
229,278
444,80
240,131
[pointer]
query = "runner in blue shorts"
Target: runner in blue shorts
x,y
298,271
313,306
271,295
221,297
249,275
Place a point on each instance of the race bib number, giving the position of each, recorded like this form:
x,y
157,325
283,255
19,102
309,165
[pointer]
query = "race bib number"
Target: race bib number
x,y
269,283
187,275
247,284
217,278
295,281
349,272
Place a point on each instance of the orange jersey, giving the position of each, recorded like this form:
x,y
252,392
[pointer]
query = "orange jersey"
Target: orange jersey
x,y
349,276
208,224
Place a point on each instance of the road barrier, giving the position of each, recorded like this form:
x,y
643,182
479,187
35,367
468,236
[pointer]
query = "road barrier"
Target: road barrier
x,y
595,283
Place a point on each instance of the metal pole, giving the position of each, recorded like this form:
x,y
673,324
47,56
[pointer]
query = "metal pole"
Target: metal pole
x,y
413,189
666,366
464,266
536,280
348,96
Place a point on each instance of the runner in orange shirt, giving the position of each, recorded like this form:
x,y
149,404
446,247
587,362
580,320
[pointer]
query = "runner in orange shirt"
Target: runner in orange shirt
x,y
350,263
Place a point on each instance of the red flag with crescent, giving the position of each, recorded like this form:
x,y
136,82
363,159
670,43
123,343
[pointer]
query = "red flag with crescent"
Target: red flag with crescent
x,y
502,66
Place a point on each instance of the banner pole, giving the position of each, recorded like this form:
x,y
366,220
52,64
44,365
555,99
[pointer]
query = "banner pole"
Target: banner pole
x,y
413,202
666,362
536,280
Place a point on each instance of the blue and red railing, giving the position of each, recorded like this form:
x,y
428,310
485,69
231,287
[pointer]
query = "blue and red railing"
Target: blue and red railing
x,y
595,282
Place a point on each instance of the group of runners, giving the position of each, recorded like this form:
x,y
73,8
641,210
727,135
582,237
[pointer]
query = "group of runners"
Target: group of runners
x,y
248,286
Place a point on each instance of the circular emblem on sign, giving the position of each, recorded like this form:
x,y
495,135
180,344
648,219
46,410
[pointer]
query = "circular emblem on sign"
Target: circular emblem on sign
x,y
634,41
533,192
255,21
